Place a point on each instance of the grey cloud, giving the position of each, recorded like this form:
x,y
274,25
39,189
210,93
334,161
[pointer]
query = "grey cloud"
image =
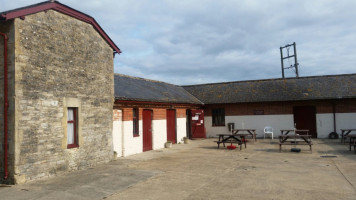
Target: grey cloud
x,y
201,41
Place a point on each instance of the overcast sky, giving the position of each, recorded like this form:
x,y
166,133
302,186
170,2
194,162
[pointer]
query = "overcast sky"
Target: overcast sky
x,y
203,41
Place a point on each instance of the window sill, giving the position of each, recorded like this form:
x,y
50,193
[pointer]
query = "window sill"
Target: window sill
x,y
72,146
218,125
136,135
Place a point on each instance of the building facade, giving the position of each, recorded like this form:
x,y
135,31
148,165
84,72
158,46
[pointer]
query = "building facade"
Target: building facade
x,y
321,104
60,92
149,113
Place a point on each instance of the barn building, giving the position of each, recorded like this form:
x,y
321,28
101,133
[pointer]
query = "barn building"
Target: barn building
x,y
149,113
321,104
56,93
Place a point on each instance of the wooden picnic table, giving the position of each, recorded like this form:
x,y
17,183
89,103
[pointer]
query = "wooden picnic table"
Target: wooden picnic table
x,y
301,131
344,133
295,140
232,138
251,132
352,141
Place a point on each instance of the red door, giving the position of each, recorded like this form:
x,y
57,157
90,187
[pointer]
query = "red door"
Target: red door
x,y
171,126
198,128
305,118
147,130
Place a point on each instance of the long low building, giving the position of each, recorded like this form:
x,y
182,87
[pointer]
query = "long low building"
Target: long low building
x,y
321,104
149,113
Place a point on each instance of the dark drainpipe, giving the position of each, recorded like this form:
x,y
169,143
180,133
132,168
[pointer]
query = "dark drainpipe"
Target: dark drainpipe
x,y
6,105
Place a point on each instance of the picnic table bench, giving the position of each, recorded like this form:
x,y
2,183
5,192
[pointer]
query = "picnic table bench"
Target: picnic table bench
x,y
250,132
232,138
345,133
352,141
299,131
295,140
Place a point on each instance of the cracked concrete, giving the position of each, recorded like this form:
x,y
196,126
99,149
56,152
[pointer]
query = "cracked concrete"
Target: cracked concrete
x,y
201,171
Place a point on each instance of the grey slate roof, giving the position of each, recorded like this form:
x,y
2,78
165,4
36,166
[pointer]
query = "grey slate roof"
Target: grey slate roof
x,y
139,89
289,89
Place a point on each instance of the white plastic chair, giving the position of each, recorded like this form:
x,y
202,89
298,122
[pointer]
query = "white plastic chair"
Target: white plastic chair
x,y
268,130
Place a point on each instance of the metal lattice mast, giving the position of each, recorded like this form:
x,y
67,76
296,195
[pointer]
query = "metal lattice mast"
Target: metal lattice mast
x,y
295,66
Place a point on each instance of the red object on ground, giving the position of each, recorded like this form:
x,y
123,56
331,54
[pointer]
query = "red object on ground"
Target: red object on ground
x,y
231,147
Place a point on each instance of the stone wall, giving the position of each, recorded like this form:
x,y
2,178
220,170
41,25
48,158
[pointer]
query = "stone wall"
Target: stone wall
x,y
60,62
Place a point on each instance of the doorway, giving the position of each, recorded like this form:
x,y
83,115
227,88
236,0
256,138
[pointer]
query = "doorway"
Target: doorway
x,y
171,126
147,129
305,118
189,123
198,128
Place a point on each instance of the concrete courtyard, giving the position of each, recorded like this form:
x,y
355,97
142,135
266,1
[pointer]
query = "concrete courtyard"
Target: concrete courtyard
x,y
199,170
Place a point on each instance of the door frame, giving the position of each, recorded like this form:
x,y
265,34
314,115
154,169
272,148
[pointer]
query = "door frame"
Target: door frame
x,y
147,133
175,125
312,110
189,123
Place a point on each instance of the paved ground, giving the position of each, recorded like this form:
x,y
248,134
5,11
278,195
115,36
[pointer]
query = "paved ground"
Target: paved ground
x,y
201,171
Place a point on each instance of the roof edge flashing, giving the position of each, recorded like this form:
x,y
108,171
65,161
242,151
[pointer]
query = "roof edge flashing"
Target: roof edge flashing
x,y
59,7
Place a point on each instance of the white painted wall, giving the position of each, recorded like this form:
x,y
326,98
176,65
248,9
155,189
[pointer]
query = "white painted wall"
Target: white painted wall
x,y
181,129
131,145
324,123
345,121
117,134
159,133
257,122
124,139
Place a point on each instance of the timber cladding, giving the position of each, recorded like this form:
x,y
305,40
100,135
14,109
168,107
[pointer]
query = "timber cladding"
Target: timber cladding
x,y
60,62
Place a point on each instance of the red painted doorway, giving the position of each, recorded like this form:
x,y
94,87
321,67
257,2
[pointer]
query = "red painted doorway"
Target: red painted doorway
x,y
147,129
305,118
171,126
198,128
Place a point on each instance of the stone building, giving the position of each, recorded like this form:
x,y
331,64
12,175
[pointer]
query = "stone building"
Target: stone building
x,y
149,113
60,92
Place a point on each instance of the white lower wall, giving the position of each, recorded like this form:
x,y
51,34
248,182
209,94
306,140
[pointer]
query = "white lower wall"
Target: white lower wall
x,y
117,133
324,123
181,129
345,121
131,145
159,133
257,122
124,139
117,137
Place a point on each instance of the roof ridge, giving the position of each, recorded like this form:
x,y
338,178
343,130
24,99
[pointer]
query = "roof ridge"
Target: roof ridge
x,y
271,79
145,79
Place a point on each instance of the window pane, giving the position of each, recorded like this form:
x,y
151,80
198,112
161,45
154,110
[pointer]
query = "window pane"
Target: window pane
x,y
135,121
218,116
70,114
70,133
